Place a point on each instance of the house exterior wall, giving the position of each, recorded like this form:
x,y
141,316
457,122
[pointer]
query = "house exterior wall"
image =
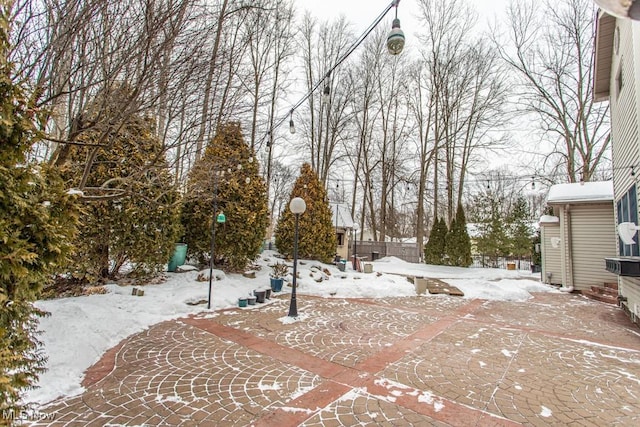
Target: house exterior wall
x,y
630,288
565,246
593,238
625,106
551,257
625,120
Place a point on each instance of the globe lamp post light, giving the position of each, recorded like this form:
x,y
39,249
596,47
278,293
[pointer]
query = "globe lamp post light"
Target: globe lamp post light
x,y
297,207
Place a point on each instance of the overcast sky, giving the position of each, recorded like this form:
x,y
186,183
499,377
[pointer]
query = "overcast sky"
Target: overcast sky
x,y
363,12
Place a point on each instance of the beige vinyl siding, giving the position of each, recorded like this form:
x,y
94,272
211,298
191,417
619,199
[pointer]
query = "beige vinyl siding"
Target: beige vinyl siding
x,y
629,287
625,108
593,240
551,258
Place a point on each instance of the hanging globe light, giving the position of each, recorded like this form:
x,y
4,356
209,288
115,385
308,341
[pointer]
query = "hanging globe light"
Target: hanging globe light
x,y
395,41
621,8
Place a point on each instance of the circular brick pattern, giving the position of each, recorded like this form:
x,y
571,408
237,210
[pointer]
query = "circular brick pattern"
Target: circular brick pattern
x,y
554,360
175,374
337,330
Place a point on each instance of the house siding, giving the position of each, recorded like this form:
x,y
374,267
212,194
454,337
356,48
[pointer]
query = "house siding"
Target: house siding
x,y
625,119
629,287
593,239
551,257
625,108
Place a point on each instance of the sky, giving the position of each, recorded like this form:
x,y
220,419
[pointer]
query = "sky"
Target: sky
x,y
363,12
81,329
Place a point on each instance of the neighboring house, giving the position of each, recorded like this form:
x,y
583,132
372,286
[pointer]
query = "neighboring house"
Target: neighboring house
x,y
617,79
343,223
577,238
550,255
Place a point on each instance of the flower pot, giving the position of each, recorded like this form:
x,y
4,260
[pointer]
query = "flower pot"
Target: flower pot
x,y
260,295
267,294
251,300
242,302
178,258
276,284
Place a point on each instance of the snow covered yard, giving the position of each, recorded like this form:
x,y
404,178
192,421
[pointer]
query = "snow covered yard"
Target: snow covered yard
x,y
81,329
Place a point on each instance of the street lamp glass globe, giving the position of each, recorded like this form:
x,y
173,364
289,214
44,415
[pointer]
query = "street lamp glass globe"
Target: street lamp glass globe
x,y
395,40
621,8
355,227
297,205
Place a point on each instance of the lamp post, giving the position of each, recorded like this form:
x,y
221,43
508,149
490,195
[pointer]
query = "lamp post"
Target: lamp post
x,y
213,233
355,245
297,207
218,218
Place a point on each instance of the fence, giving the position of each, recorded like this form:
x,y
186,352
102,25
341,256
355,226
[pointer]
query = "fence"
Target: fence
x,y
486,261
375,250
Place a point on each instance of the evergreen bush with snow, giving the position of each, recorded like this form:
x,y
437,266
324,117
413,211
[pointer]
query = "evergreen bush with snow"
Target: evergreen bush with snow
x,y
457,241
434,249
132,209
37,222
317,236
240,194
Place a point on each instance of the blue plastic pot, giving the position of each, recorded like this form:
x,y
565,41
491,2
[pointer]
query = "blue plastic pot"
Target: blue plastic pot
x,y
276,284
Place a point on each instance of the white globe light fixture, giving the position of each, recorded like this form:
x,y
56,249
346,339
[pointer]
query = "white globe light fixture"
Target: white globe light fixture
x,y
297,206
621,8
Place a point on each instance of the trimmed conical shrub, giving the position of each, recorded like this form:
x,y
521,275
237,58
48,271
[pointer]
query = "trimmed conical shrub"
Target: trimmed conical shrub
x,y
458,243
317,237
434,249
226,181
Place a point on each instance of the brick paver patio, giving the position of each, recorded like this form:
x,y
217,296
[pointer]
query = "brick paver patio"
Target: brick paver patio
x,y
423,361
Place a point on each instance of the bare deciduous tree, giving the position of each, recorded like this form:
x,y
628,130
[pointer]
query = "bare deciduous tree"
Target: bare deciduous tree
x,y
551,49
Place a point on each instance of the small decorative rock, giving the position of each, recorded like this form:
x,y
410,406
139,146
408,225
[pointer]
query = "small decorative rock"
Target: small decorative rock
x,y
249,274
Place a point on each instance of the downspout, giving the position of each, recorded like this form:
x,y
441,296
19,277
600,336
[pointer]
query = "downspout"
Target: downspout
x,y
569,255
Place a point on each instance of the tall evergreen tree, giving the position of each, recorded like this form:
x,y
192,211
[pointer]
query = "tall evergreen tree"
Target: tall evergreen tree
x,y
317,237
458,243
493,240
520,231
228,177
37,222
434,249
134,220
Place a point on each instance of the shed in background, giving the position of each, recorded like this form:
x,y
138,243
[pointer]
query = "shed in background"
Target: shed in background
x,y
574,246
